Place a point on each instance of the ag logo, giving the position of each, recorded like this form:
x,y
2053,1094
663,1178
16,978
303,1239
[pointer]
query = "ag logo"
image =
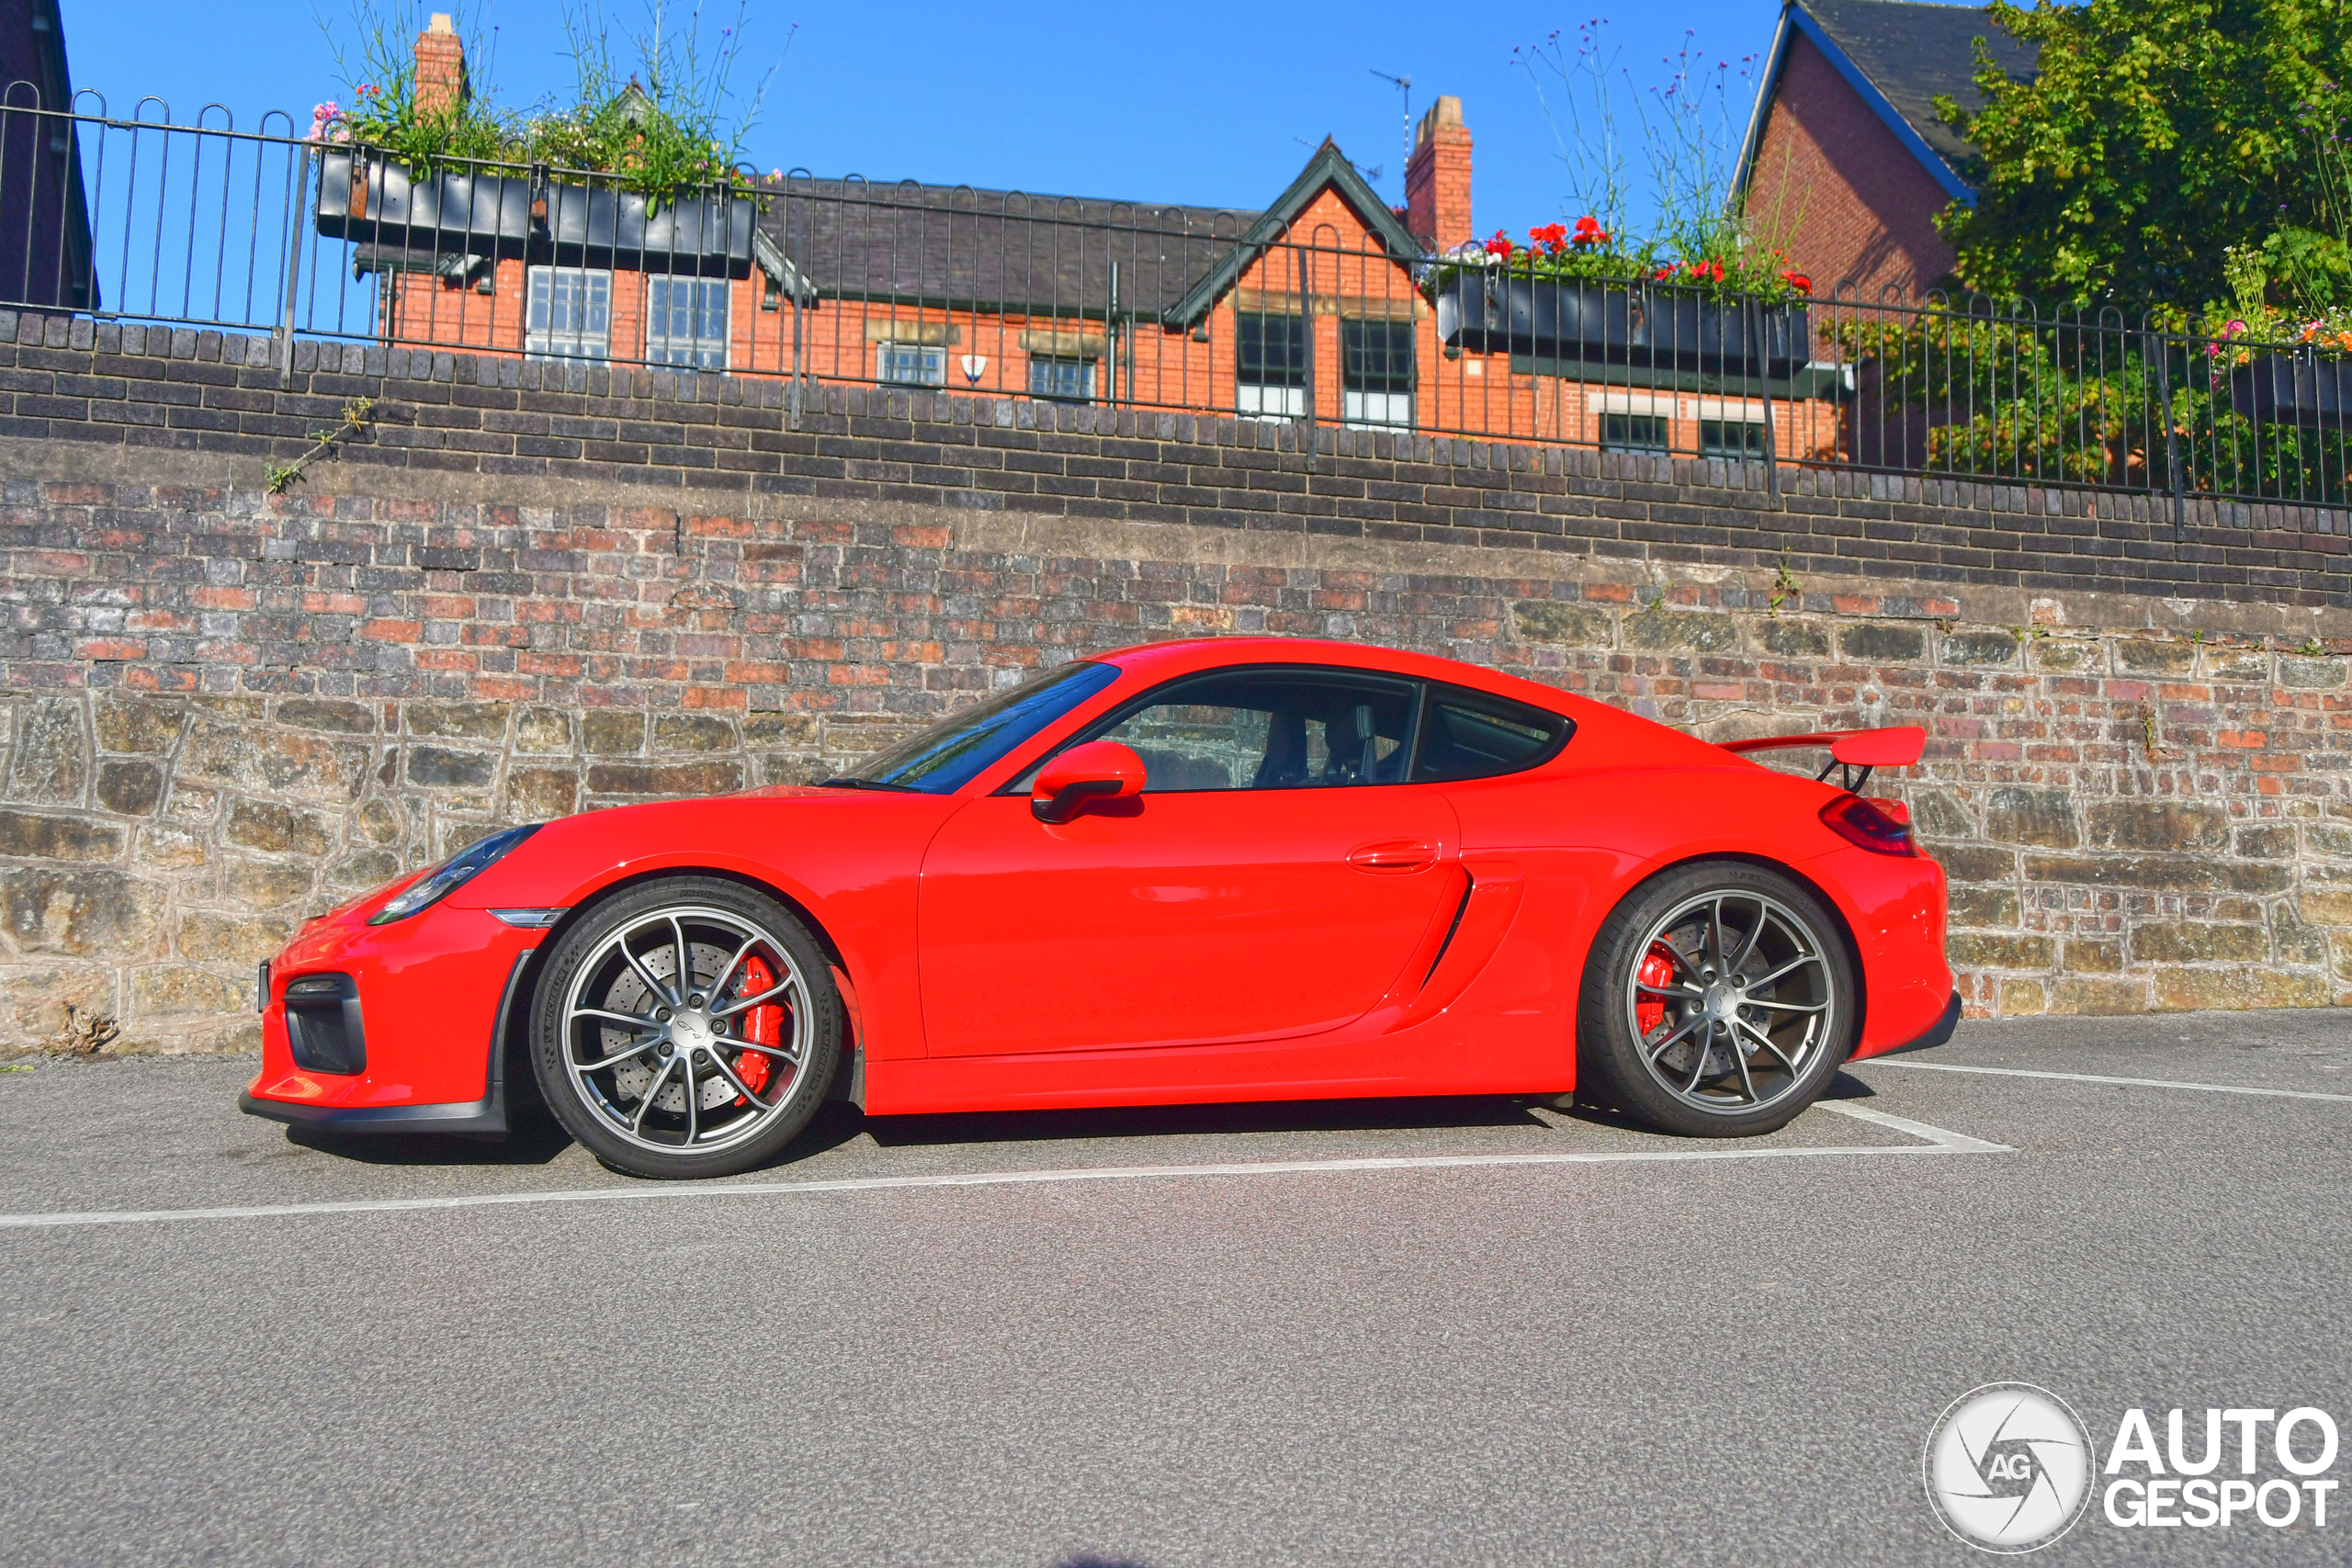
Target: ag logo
x,y
2008,1467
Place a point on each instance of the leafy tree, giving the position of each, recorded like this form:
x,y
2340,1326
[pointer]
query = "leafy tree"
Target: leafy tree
x,y
2155,136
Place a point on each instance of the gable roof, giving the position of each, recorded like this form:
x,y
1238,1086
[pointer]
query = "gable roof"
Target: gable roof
x,y
1329,169
1898,55
957,247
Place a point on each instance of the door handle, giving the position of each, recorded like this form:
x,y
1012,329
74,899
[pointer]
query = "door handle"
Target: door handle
x,y
1394,854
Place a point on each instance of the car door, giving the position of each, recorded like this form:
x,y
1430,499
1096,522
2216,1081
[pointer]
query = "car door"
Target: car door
x,y
1271,880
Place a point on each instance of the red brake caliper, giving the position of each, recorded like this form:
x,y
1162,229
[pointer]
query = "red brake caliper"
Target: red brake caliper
x,y
762,1025
1657,969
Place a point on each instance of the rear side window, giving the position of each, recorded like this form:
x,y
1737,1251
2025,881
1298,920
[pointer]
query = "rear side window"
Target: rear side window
x,y
1471,735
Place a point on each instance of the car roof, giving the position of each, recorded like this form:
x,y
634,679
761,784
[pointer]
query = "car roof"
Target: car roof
x,y
1159,661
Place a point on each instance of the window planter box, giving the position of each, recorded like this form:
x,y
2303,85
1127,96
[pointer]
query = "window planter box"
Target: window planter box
x,y
2294,388
376,201
1482,311
597,226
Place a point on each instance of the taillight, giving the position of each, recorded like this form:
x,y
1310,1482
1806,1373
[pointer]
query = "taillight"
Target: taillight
x,y
1870,825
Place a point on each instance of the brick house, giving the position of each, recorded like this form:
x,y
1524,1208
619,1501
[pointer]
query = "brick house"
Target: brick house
x,y
1846,163
1311,307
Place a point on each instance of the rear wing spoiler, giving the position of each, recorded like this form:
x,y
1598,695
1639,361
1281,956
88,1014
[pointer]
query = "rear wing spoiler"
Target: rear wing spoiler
x,y
1849,748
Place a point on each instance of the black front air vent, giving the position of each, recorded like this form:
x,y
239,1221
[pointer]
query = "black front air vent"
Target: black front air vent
x,y
322,1024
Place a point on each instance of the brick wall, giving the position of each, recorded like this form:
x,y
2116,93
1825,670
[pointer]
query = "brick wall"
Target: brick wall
x,y
1836,189
220,708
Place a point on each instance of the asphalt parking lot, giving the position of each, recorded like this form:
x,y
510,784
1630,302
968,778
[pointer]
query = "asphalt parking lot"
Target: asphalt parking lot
x,y
1412,1333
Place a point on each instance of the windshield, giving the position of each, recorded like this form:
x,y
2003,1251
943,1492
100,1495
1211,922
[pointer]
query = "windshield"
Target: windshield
x,y
945,757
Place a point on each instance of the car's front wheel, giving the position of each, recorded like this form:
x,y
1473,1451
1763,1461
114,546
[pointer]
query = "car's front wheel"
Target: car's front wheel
x,y
1717,1002
685,1026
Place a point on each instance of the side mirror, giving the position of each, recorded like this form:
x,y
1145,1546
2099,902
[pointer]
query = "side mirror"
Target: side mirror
x,y
1100,769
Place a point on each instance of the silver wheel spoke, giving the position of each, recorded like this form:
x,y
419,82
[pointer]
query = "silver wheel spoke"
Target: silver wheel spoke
x,y
1715,935
618,1057
1786,1007
1682,990
636,1121
778,1052
625,1020
694,1099
1754,935
653,983
732,1008
1791,967
728,973
1766,1041
1693,1021
685,970
1739,1056
1699,1063
740,1086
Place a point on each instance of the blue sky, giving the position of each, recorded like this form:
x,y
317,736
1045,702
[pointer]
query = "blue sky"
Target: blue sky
x,y
1188,104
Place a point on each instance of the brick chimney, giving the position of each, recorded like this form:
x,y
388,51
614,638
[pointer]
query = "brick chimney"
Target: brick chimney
x,y
440,67
1437,177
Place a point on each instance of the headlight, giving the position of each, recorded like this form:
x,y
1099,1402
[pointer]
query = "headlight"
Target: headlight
x,y
451,875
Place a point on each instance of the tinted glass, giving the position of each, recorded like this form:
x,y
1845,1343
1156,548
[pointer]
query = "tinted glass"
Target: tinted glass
x,y
1376,356
1469,734
945,757
1268,729
1270,351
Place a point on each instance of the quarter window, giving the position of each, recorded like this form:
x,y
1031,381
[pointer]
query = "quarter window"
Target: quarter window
x,y
570,315
1474,735
685,321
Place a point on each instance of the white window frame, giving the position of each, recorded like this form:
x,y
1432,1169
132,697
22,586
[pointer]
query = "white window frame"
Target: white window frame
x,y
591,338
1085,366
1253,400
700,348
1384,409
930,360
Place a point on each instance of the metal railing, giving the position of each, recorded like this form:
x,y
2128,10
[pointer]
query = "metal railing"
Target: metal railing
x,y
1334,317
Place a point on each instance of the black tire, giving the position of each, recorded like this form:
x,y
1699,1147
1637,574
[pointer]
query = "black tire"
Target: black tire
x,y
1681,1072
708,1098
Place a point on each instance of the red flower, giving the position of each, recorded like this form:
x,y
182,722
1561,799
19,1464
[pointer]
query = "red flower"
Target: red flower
x,y
1710,271
1589,231
1553,237
1662,274
1500,245
1797,281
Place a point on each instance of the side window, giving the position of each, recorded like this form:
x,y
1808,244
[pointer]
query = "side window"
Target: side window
x,y
1470,735
1262,728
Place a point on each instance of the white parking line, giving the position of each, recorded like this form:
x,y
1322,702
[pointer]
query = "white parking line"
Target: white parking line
x,y
1936,1141
2093,1077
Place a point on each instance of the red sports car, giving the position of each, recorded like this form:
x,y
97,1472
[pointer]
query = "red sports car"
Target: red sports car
x,y
1228,869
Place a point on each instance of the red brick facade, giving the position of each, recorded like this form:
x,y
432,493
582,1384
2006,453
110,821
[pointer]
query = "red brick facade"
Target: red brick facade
x,y
1436,178
1832,186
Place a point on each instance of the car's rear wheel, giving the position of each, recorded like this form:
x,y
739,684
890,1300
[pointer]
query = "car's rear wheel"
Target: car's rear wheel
x,y
685,1026
1717,1002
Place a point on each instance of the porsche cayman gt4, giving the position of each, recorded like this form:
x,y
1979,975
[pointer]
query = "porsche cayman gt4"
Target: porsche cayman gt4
x,y
1229,870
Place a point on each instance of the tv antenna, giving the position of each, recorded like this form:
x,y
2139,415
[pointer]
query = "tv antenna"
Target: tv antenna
x,y
1403,85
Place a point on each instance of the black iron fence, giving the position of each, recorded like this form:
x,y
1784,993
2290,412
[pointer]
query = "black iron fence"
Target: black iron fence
x,y
1331,316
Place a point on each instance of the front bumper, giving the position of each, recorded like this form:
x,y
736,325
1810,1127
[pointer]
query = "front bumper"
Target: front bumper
x,y
444,995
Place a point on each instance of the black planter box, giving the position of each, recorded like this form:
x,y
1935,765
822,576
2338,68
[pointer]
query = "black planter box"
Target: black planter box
x,y
2293,389
598,226
1485,312
373,200
376,201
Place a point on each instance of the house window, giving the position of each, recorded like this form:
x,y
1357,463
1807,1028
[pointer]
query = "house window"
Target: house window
x,y
1634,432
1376,373
1270,366
909,365
685,321
570,313
1739,439
1064,380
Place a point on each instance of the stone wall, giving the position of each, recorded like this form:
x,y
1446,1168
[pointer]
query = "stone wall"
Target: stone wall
x,y
220,709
